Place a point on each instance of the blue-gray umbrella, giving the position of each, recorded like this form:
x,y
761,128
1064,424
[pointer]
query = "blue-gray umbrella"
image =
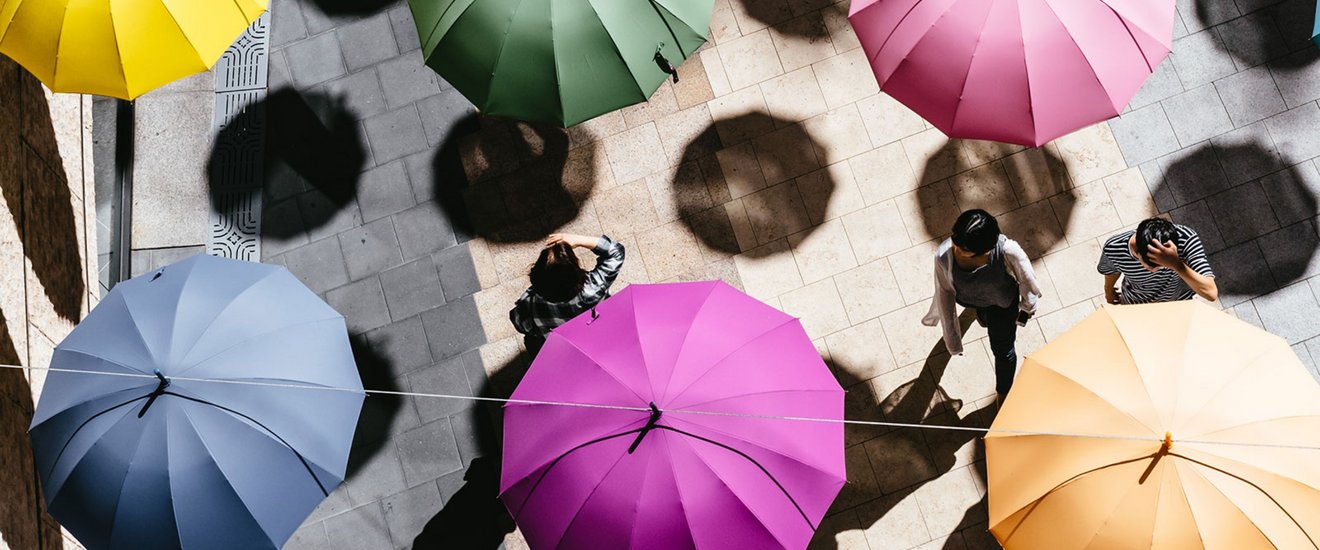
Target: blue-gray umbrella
x,y
163,459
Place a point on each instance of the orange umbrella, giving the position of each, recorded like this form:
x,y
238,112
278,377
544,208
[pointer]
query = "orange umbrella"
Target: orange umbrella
x,y
1178,426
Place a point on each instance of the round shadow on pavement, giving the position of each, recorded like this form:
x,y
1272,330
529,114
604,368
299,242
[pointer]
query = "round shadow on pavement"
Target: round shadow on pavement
x,y
349,7
772,166
783,15
1027,189
1254,211
313,148
1279,33
511,181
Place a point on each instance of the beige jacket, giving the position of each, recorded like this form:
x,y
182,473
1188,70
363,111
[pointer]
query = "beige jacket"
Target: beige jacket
x,y
943,310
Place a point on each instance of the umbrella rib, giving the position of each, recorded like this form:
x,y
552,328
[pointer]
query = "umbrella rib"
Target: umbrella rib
x,y
1035,504
597,363
1228,386
688,407
263,426
615,44
683,345
249,340
767,473
84,424
499,56
114,520
555,462
668,27
967,76
578,513
1252,485
761,446
721,360
55,68
678,489
435,27
1073,38
229,304
184,33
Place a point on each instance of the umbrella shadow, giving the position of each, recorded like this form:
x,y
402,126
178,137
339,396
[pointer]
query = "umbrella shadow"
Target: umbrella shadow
x,y
511,181
351,7
1265,222
39,200
899,461
26,524
771,161
313,143
784,16
1279,34
1027,189
377,422
474,518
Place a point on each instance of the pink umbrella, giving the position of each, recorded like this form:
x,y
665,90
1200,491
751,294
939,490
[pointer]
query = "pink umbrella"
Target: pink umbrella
x,y
1019,71
656,473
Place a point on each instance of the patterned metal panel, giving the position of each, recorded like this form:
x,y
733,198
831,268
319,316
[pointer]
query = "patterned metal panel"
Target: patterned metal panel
x,y
236,173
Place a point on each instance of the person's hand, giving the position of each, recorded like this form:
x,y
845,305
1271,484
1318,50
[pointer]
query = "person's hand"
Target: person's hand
x,y
576,241
1111,296
1164,254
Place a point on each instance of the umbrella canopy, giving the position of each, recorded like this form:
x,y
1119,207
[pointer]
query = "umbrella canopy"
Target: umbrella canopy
x,y
1194,404
123,48
558,61
134,462
1315,31
1017,71
577,477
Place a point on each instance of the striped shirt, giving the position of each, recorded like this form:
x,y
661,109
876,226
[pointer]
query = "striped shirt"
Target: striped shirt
x,y
536,316
1163,285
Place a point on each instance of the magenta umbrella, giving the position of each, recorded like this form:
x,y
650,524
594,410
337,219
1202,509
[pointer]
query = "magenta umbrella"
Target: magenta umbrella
x,y
686,459
1018,71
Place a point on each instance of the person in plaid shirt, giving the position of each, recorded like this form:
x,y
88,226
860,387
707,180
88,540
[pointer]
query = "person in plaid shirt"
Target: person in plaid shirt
x,y
561,289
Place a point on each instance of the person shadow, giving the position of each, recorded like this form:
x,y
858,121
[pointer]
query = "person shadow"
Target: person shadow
x,y
510,181
474,518
1278,34
899,461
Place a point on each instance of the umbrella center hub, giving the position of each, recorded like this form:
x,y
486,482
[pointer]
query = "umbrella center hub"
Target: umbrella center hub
x,y
650,425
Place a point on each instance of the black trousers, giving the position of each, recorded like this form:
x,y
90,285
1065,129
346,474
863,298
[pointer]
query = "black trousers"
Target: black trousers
x,y
1001,323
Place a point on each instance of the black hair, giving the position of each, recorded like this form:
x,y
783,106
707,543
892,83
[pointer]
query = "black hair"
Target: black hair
x,y
976,231
556,276
1158,230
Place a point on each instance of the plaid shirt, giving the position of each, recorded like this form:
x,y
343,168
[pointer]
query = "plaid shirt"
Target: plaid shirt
x,y
535,316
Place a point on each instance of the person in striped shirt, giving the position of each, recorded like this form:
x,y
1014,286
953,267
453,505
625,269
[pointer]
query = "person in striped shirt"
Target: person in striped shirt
x,y
1159,261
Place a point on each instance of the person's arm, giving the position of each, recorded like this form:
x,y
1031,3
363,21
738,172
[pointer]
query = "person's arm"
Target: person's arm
x,y
519,316
1166,255
943,309
1111,290
609,256
1111,273
1028,289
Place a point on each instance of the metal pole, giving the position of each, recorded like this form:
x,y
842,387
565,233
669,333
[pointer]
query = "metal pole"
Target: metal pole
x,y
122,266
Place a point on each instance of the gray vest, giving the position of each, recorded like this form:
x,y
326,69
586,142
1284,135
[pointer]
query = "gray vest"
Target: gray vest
x,y
988,285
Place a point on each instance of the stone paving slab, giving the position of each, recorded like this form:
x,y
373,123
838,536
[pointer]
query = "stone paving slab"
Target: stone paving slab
x,y
775,165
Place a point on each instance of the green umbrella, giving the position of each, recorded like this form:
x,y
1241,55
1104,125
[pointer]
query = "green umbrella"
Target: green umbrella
x,y
561,61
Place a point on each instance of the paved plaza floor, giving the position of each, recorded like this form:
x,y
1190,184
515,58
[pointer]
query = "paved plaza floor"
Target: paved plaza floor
x,y
775,164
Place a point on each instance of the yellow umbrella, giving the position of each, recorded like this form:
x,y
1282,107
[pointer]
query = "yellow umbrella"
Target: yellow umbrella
x,y
1211,437
120,48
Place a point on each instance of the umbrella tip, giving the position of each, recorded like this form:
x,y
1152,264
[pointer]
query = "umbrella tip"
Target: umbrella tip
x,y
1168,442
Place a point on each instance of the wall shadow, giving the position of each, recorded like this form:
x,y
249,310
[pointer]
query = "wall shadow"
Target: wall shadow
x,y
474,518
25,523
782,14
908,458
522,181
1279,34
1016,188
38,197
376,424
1261,235
312,142
771,160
